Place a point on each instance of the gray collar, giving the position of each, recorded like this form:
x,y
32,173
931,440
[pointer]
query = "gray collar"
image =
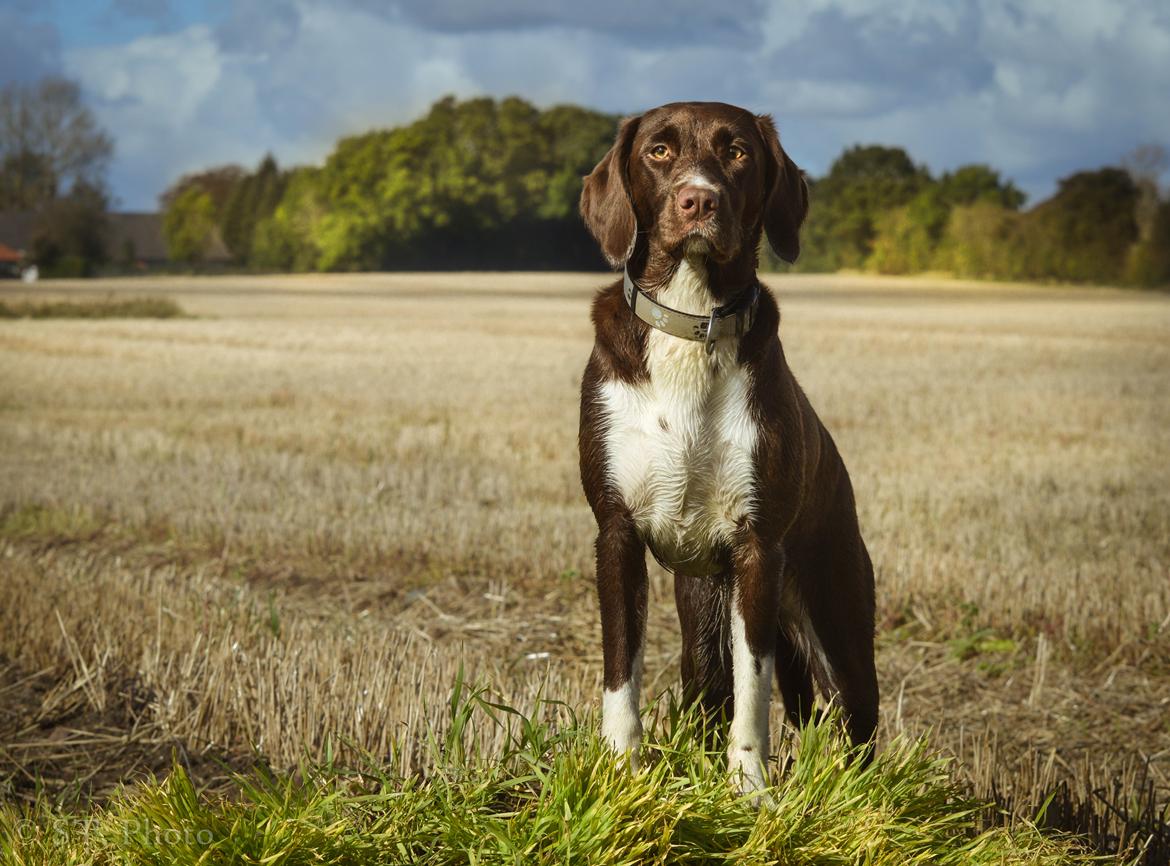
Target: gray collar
x,y
730,320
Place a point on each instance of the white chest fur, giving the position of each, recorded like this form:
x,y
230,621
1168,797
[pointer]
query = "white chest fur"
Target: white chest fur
x,y
680,446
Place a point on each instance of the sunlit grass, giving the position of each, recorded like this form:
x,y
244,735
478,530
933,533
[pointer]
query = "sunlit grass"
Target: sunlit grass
x,y
556,795
299,512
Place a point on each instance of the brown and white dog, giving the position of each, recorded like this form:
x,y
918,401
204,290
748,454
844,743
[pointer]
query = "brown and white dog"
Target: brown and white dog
x,y
706,450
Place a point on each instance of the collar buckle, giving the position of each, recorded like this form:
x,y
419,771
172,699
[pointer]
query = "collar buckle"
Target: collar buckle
x,y
711,322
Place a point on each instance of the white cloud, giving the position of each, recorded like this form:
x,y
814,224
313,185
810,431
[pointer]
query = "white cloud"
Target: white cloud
x,y
173,103
633,23
1035,89
158,79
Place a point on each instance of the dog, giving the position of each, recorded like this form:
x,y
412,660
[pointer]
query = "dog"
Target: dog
x,y
697,442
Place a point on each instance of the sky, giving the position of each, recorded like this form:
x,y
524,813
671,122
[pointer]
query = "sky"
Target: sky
x,y
1035,88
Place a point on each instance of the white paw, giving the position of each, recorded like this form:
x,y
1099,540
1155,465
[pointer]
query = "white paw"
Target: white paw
x,y
621,727
626,744
749,776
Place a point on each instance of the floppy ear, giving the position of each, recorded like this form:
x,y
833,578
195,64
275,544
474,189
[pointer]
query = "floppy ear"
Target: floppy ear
x,y
606,204
785,195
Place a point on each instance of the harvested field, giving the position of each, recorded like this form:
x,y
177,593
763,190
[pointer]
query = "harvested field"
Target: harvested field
x,y
291,519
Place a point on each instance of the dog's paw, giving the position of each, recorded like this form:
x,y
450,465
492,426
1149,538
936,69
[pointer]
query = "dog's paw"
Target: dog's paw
x,y
749,777
627,750
632,757
622,729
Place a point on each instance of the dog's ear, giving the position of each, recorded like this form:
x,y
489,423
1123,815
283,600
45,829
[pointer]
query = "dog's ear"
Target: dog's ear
x,y
606,204
785,195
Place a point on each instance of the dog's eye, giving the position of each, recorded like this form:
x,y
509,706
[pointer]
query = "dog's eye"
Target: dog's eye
x,y
736,152
660,151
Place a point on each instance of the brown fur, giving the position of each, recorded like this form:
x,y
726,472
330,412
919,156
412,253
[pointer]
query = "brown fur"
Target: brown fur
x,y
798,560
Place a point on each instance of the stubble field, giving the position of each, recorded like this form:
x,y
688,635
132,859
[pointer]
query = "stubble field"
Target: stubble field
x,y
283,526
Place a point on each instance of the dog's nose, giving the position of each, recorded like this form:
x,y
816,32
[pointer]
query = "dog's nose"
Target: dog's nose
x,y
696,202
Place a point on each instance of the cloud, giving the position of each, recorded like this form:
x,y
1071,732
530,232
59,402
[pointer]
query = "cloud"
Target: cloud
x,y
259,25
157,11
172,103
1035,89
1038,90
685,25
871,62
29,48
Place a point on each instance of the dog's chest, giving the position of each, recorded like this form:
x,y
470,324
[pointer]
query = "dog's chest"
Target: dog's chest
x,y
680,446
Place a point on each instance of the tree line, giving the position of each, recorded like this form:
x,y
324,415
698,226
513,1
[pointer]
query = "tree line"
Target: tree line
x,y
876,210
474,184
486,183
494,184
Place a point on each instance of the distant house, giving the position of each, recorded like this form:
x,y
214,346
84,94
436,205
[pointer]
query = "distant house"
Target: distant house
x,y
16,228
10,261
132,240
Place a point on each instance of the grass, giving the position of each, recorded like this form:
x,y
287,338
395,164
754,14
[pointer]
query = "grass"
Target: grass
x,y
555,795
107,308
281,528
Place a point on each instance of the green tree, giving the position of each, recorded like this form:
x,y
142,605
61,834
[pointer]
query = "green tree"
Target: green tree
x,y
218,182
908,239
846,205
969,184
474,183
984,240
68,237
252,198
49,143
288,239
1149,259
1085,231
27,181
478,183
904,241
189,224
578,139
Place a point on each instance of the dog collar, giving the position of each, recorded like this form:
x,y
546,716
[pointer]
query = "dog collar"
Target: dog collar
x,y
730,320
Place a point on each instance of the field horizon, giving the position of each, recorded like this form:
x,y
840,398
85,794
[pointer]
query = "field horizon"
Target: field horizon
x,y
291,520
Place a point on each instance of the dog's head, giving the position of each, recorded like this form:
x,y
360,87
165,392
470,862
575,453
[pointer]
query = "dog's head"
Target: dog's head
x,y
695,177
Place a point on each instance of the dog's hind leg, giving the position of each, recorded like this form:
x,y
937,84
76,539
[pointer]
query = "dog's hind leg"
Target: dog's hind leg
x,y
794,675
703,611
839,606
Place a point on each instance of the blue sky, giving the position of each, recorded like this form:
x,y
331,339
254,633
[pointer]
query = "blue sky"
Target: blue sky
x,y
1037,89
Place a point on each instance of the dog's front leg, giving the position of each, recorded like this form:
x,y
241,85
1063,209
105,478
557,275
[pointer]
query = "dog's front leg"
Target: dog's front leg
x,y
621,588
756,570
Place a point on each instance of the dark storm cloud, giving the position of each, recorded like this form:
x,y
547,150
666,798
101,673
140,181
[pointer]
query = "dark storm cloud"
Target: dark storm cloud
x,y
901,60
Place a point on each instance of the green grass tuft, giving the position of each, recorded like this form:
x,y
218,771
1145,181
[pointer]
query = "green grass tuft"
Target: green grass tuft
x,y
108,308
557,796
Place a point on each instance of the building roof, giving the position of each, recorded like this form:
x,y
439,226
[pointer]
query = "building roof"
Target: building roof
x,y
8,254
138,234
